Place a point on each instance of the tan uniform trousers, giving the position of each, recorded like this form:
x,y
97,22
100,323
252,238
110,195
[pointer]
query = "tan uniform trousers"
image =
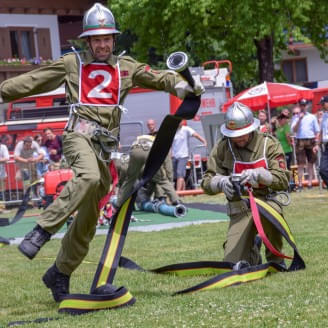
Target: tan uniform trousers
x,y
138,157
241,234
164,188
91,182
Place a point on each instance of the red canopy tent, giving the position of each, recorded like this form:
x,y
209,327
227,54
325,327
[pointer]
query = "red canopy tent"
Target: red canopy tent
x,y
269,94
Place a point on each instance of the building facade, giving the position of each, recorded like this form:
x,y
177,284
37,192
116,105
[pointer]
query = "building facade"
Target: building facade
x,y
33,32
303,65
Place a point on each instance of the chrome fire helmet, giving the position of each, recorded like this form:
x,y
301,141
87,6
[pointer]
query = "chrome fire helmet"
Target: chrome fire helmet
x,y
239,120
98,20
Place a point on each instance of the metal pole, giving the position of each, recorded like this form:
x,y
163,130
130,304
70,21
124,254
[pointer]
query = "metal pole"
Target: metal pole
x,y
268,106
269,116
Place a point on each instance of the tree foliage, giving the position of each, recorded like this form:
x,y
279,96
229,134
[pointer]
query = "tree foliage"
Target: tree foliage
x,y
250,33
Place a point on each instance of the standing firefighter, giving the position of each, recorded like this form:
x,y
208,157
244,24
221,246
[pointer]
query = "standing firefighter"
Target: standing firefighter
x,y
260,160
96,84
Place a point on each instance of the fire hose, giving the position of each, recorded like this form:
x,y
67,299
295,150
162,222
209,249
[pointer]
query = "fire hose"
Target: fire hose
x,y
163,208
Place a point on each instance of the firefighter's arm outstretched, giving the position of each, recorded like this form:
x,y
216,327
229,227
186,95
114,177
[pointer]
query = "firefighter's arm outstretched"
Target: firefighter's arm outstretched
x,y
40,80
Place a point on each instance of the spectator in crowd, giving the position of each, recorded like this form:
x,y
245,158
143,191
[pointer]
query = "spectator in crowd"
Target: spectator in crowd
x,y
306,128
151,125
10,141
180,152
4,158
42,165
319,115
273,125
283,134
24,155
285,111
324,141
296,112
54,147
260,160
264,124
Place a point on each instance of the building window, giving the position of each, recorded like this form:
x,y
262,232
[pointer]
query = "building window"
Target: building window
x,y
25,42
22,43
295,70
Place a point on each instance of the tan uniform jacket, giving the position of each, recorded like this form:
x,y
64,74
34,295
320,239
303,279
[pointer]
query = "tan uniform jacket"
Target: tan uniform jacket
x,y
66,70
221,161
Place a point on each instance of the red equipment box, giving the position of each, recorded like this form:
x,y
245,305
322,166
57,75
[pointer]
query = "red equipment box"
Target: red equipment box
x,y
53,178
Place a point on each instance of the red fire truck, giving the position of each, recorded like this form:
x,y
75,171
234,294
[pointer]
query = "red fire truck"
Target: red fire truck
x,y
31,115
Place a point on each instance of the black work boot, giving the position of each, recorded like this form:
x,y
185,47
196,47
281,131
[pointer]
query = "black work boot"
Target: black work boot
x,y
283,265
58,282
33,241
177,202
241,265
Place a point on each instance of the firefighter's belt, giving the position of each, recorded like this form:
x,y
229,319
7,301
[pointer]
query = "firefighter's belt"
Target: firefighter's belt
x,y
224,275
103,295
78,124
144,144
90,128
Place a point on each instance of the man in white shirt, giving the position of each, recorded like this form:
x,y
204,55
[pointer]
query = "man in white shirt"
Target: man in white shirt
x,y
306,129
4,158
324,140
180,152
27,153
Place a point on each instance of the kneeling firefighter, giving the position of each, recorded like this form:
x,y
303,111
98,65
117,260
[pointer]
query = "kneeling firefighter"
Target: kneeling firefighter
x,y
259,160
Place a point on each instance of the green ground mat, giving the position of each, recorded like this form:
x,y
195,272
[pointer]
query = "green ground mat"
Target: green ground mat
x,y
26,224
147,218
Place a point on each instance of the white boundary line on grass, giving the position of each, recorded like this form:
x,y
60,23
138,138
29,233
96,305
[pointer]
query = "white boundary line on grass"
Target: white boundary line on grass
x,y
145,228
165,226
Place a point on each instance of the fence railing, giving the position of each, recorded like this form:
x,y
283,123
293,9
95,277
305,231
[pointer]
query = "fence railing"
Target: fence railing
x,y
197,163
14,181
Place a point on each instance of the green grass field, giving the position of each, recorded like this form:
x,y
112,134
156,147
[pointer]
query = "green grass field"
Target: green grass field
x,y
298,299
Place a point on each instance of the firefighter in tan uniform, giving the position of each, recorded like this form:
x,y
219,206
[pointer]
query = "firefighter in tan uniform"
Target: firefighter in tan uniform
x,y
166,190
138,155
260,160
96,84
160,193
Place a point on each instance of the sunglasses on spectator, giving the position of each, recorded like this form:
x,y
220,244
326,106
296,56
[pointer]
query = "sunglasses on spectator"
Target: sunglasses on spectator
x,y
296,113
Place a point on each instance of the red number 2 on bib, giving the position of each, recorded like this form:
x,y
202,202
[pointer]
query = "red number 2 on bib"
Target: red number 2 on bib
x,y
99,85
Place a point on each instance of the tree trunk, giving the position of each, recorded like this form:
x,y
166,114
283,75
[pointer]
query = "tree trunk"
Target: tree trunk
x,y
265,58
